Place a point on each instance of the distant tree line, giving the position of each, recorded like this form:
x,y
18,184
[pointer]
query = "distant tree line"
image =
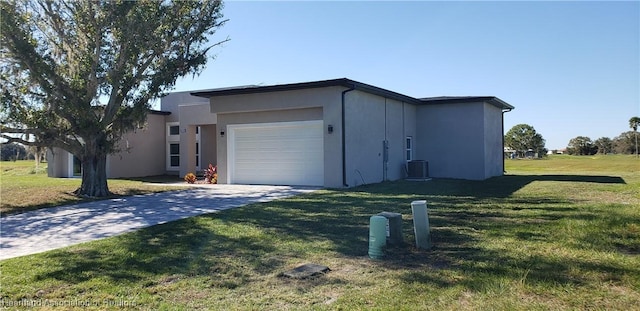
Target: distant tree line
x,y
522,140
625,143
622,144
15,152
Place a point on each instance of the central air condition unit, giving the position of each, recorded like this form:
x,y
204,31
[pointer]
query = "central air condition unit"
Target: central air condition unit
x,y
418,169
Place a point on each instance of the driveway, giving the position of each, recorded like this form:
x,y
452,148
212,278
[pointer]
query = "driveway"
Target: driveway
x,y
51,228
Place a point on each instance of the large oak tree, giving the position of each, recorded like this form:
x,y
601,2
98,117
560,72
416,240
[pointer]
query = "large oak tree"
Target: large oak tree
x,y
523,138
582,145
77,75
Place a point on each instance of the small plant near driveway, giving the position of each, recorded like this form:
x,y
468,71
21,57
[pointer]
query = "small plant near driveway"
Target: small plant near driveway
x,y
211,174
190,178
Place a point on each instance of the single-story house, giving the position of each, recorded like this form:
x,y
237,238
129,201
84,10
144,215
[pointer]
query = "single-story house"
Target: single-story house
x,y
330,133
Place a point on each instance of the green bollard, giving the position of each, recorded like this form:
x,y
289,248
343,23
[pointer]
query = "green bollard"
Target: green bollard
x,y
377,236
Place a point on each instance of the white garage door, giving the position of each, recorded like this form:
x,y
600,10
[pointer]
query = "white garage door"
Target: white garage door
x,y
285,153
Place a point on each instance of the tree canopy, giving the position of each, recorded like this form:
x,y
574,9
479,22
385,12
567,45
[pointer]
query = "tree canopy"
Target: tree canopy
x,y
582,145
625,143
79,74
604,144
523,138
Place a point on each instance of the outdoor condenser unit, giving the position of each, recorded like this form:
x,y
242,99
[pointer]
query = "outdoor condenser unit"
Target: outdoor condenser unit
x,y
418,169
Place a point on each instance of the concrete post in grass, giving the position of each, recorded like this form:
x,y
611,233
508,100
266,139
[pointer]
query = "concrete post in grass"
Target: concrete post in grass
x,y
394,227
421,224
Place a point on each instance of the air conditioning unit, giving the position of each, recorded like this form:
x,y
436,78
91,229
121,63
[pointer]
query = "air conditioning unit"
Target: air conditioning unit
x,y
418,169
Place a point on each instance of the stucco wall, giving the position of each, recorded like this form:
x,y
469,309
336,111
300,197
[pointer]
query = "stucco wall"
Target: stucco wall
x,y
172,102
285,106
192,115
396,132
451,138
493,149
142,151
409,119
190,111
365,132
282,100
371,120
208,145
57,163
196,114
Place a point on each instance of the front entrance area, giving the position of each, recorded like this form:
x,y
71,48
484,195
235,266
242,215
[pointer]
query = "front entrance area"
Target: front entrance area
x,y
283,153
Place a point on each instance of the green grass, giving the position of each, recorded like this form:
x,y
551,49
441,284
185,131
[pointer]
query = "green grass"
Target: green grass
x,y
25,187
555,234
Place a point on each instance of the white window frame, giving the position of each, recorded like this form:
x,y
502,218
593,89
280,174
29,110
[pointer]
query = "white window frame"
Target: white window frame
x,y
172,139
175,136
198,148
169,155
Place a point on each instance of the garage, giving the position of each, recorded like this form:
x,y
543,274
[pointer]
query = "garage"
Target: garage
x,y
283,153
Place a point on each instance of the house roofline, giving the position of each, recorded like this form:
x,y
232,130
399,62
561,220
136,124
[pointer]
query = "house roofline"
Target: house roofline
x,y
160,112
343,82
495,101
349,84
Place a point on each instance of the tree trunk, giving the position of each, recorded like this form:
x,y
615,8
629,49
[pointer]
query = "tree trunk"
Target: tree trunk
x,y
636,135
94,177
36,156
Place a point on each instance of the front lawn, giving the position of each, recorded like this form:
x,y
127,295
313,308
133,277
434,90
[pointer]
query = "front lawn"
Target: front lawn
x,y
25,187
537,239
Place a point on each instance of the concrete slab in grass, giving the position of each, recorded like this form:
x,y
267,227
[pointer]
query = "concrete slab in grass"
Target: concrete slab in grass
x,y
306,271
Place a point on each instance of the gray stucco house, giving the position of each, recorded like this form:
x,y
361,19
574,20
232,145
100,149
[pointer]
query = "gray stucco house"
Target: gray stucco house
x,y
330,133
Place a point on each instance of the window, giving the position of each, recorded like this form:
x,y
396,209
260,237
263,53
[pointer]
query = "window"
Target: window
x,y
75,165
197,154
197,148
173,145
174,155
409,146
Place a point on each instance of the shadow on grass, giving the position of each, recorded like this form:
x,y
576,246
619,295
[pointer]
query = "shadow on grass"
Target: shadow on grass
x,y
10,209
69,199
156,179
465,215
187,247
505,186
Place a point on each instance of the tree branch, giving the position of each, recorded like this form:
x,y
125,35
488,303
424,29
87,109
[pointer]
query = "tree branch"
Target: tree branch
x,y
12,139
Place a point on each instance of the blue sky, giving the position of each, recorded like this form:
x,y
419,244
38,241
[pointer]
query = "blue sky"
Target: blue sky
x,y
570,68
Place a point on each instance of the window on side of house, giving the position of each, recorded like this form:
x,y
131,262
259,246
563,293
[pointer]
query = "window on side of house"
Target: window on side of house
x,y
173,145
174,130
409,148
174,154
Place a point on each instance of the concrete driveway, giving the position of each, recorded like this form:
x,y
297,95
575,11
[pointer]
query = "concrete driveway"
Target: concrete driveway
x,y
51,228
